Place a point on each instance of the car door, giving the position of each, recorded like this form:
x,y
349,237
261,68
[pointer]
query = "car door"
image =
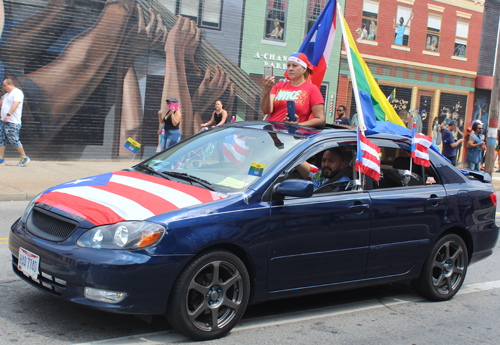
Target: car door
x,y
318,240
404,217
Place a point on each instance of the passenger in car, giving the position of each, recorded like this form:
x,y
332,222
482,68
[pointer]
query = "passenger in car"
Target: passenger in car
x,y
307,97
332,170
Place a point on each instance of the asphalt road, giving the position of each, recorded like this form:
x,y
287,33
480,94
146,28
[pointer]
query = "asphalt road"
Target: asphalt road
x,y
377,315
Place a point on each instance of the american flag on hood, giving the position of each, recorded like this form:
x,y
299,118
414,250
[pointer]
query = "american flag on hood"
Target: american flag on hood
x,y
367,157
420,144
123,195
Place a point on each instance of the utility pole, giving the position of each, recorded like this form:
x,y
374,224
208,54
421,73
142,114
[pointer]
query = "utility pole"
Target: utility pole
x,y
493,116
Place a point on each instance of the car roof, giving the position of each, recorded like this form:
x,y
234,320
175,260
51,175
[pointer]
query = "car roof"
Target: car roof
x,y
329,130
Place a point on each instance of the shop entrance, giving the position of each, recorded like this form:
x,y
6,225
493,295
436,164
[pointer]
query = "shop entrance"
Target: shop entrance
x,y
424,102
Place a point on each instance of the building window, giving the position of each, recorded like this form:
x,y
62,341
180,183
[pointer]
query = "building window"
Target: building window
x,y
433,32
170,5
314,8
275,19
461,35
206,13
401,25
369,21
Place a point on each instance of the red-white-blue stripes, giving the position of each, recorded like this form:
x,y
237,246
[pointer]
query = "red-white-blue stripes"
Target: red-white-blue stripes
x,y
125,196
235,149
420,144
367,157
319,41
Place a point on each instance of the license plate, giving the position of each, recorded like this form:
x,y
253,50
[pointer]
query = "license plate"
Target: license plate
x,y
28,263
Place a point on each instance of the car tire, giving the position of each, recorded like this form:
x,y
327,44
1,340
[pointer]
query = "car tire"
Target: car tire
x,y
444,269
209,296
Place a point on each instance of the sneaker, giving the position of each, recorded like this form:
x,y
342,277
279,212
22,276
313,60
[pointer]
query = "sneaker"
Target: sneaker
x,y
2,161
24,161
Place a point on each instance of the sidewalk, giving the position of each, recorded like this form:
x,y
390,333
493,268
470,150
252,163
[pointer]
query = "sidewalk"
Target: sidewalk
x,y
24,183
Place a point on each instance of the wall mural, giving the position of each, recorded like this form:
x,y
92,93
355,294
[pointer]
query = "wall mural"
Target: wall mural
x,y
451,107
95,73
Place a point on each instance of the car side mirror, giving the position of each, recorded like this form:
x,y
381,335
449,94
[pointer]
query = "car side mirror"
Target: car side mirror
x,y
295,188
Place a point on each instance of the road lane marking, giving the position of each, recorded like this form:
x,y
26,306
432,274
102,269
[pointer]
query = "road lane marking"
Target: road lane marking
x,y
167,337
4,240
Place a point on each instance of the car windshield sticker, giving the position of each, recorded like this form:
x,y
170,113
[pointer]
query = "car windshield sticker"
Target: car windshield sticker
x,y
232,183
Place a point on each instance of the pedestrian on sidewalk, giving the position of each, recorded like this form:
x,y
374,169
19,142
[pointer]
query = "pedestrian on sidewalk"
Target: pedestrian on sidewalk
x,y
10,124
475,144
450,145
170,122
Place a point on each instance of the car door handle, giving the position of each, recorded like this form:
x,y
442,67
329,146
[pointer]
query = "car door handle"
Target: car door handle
x,y
435,200
360,208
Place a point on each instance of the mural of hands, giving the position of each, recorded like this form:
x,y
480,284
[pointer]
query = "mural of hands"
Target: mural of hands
x,y
210,89
148,32
128,104
184,38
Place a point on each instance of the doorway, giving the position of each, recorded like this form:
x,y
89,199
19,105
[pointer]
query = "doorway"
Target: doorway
x,y
424,102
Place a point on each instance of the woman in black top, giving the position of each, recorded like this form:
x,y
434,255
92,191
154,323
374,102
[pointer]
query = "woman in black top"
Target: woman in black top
x,y
170,122
219,115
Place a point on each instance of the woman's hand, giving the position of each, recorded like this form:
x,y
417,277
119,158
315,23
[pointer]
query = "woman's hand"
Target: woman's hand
x,y
287,120
268,83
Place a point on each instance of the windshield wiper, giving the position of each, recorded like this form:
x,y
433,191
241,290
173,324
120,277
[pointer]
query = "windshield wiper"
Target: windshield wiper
x,y
190,178
148,168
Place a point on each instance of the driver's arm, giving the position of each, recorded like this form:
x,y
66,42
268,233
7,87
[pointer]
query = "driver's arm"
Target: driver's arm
x,y
304,169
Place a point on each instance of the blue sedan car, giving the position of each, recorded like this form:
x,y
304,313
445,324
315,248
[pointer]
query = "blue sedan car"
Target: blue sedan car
x,y
230,217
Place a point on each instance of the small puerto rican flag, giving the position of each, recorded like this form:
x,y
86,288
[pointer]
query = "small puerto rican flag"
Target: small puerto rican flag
x,y
420,144
367,157
235,149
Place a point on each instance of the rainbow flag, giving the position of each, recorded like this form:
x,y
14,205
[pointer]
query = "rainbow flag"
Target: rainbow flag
x,y
371,103
392,96
132,145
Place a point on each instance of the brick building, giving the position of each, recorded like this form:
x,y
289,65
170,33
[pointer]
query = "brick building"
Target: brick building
x,y
428,50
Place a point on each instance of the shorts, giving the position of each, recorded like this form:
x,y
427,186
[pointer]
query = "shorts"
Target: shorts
x,y
10,131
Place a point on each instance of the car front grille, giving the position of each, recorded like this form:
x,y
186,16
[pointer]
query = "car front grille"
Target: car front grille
x,y
44,280
50,226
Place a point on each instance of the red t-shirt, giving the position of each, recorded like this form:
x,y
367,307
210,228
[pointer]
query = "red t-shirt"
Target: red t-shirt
x,y
305,96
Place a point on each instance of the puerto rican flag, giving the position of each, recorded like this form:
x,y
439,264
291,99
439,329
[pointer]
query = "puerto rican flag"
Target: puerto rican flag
x,y
319,41
235,149
123,195
420,144
367,157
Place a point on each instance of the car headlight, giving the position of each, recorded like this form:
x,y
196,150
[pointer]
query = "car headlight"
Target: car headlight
x,y
123,235
29,208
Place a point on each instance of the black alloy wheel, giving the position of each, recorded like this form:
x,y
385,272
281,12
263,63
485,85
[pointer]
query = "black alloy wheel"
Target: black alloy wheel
x,y
444,269
210,296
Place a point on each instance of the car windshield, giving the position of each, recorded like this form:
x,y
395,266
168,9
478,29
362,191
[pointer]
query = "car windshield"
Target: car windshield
x,y
226,159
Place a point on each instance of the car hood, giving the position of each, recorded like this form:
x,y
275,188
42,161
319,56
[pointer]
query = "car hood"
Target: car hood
x,y
123,195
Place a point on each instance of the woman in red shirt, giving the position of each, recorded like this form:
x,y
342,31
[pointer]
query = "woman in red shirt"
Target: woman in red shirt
x,y
308,99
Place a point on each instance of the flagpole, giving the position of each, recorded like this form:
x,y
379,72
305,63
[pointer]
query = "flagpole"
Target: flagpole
x,y
361,119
